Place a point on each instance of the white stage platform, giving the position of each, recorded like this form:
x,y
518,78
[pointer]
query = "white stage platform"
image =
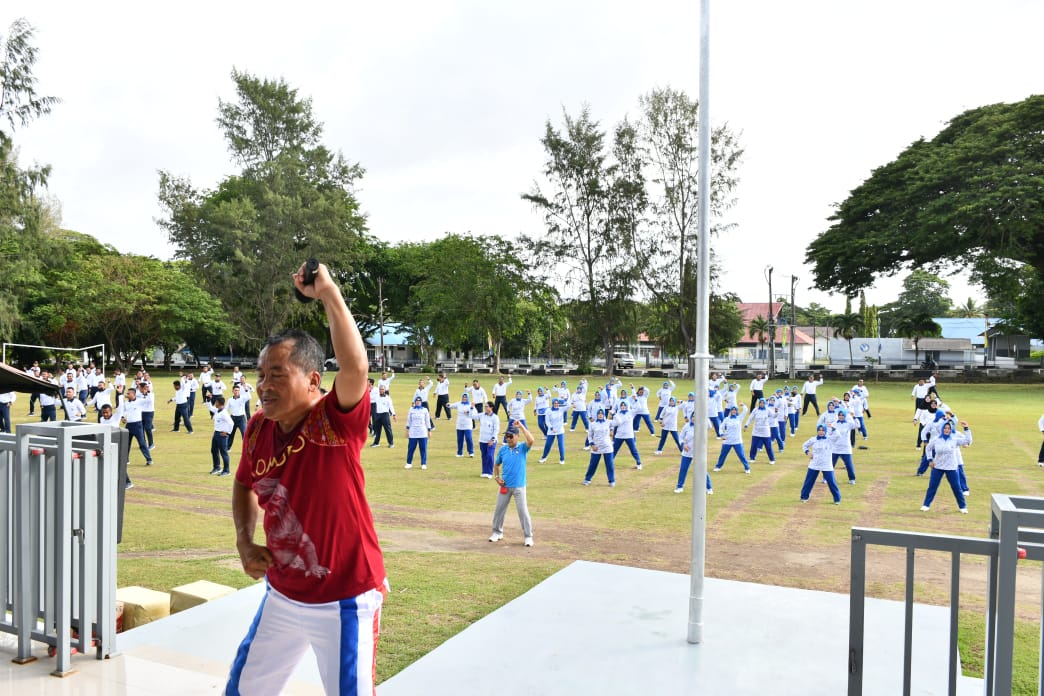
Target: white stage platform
x,y
589,629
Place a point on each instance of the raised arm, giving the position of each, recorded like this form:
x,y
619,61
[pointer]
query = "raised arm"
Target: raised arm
x,y
350,384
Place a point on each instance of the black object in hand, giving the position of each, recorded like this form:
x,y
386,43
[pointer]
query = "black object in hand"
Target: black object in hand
x,y
310,269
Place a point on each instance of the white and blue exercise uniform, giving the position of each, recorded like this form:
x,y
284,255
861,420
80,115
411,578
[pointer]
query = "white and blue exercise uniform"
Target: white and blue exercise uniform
x,y
760,434
821,451
732,432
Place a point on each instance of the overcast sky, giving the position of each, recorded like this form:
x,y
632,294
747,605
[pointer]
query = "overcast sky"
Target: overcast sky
x,y
444,103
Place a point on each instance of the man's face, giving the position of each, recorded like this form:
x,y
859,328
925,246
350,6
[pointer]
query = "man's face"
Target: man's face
x,y
509,439
489,409
131,395
475,384
69,394
283,387
383,391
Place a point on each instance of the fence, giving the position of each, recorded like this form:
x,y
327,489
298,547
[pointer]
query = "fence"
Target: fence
x,y
58,524
1016,532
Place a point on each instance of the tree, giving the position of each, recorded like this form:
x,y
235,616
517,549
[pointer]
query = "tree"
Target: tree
x,y
293,199
969,197
659,154
847,325
22,215
923,294
916,327
758,328
582,213
968,310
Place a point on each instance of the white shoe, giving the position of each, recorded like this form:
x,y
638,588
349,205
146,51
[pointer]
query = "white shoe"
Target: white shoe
x,y
679,489
747,472
924,508
471,454
588,448
658,452
424,466
612,484
572,430
528,541
717,468
638,467
964,511
459,456
561,462
710,491
966,493
496,536
408,466
543,460
586,483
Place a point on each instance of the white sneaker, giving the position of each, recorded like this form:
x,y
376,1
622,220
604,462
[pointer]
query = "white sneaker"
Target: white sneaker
x,y
679,489
528,541
424,466
747,472
710,491
658,452
543,460
924,508
572,430
964,511
612,484
408,466
496,536
638,467
459,456
471,454
561,462
586,449
966,493
587,483
717,468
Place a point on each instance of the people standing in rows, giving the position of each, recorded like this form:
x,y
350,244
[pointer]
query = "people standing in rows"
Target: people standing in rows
x,y
219,441
663,394
441,395
761,433
554,421
820,461
808,391
578,402
467,414
757,390
489,431
688,438
509,471
181,413
732,438
384,411
942,459
500,394
841,445
418,429
623,433
668,425
238,406
601,446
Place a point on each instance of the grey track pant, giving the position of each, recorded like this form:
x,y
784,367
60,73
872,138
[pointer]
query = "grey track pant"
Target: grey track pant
x,y
520,504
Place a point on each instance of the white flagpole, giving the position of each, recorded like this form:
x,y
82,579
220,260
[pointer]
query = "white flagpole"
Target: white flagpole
x,y
702,354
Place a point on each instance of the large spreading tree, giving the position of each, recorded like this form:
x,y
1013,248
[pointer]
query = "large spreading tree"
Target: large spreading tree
x,y
971,197
292,199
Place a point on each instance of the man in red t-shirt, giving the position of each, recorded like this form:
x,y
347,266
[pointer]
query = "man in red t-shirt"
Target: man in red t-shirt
x,y
301,465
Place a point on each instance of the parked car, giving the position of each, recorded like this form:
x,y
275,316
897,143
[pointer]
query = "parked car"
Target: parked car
x,y
331,364
623,360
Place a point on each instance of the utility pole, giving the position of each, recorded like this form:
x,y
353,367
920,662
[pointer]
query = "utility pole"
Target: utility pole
x,y
771,329
380,312
793,318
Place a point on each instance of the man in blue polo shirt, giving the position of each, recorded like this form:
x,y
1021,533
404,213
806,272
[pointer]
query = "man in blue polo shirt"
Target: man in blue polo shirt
x,y
509,471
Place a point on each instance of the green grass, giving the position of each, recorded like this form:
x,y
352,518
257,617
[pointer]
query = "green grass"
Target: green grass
x,y
444,575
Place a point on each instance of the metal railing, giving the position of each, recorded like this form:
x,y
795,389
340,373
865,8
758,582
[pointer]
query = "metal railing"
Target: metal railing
x,y
58,526
1016,531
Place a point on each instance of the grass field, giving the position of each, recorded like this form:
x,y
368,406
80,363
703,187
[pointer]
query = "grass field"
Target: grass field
x,y
444,575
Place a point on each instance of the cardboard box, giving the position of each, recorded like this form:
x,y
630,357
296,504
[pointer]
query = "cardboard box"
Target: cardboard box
x,y
142,605
196,593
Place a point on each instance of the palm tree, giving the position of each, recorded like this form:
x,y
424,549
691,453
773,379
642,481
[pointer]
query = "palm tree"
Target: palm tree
x,y
758,328
969,309
916,327
847,326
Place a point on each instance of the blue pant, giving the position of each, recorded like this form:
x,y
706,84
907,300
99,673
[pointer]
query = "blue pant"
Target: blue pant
x,y
219,450
642,418
5,417
464,437
663,439
487,452
137,433
542,423
683,471
757,442
413,444
716,422
725,453
47,413
238,423
592,467
582,415
618,442
849,466
147,426
782,427
828,476
774,430
560,438
192,403
181,412
954,481
793,423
